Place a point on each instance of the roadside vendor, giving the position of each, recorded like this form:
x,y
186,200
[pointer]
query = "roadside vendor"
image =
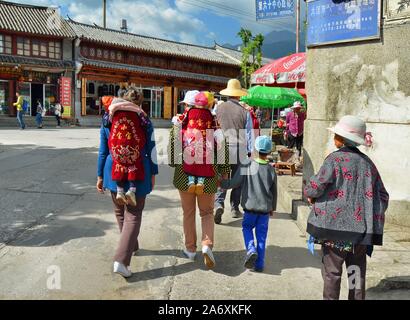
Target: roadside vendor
x,y
294,127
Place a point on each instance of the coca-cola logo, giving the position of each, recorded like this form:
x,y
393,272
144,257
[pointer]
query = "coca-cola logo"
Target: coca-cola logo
x,y
291,62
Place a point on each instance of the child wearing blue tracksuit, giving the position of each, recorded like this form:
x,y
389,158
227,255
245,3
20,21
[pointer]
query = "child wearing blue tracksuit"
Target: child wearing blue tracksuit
x,y
258,199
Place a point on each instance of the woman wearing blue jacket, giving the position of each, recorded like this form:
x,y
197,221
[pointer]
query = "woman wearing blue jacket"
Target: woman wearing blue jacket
x,y
128,217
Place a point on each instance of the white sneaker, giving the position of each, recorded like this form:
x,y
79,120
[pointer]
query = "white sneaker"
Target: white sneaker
x,y
131,200
122,270
189,255
209,259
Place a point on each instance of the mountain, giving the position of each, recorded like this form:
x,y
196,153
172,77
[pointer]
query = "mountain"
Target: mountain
x,y
277,44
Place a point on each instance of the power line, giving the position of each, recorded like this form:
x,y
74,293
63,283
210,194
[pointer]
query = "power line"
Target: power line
x,y
228,11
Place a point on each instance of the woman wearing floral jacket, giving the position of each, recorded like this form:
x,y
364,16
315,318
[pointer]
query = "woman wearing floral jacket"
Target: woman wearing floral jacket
x,y
349,204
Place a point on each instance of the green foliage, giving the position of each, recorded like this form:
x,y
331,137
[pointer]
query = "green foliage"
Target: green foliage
x,y
251,54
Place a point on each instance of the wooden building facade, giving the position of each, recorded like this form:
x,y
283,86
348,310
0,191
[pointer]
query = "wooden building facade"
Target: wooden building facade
x,y
34,56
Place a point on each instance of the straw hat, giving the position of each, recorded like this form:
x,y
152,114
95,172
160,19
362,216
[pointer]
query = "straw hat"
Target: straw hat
x,y
234,89
353,129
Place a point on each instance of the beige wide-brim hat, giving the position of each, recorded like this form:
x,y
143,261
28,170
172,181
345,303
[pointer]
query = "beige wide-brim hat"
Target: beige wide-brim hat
x,y
351,128
234,89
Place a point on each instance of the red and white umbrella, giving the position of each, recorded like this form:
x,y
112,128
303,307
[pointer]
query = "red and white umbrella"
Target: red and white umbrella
x,y
290,69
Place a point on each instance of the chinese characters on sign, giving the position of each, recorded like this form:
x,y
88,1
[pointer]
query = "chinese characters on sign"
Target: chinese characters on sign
x,y
268,9
65,95
331,22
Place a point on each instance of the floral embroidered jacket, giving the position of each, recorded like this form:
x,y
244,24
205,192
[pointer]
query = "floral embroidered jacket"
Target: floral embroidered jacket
x,y
351,199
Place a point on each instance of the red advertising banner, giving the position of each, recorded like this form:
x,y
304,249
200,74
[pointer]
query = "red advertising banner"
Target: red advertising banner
x,y
65,95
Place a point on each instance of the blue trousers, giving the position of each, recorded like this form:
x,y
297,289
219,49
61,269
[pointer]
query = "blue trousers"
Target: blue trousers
x,y
20,119
259,222
39,119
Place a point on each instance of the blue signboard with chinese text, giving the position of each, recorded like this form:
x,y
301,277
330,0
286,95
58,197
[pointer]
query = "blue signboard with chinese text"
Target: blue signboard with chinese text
x,y
335,21
270,9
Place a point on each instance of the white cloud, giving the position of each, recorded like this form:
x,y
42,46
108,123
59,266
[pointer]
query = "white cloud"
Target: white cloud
x,y
154,18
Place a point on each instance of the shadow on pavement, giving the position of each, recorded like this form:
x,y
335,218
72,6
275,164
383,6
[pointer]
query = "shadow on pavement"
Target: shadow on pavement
x,y
230,263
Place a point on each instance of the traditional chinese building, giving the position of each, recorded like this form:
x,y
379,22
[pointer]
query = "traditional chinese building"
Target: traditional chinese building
x,y
35,54
107,59
49,59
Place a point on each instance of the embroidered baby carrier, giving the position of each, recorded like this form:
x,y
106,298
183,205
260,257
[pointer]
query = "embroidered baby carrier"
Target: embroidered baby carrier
x,y
198,147
126,142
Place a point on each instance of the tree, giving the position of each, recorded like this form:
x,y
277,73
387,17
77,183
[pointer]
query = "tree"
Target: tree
x,y
251,48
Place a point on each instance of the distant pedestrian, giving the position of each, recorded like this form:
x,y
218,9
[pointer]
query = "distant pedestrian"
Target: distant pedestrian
x,y
58,113
236,122
128,216
349,204
259,198
20,111
39,115
294,127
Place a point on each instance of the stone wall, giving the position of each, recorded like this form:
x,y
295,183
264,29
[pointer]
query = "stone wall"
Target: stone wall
x,y
370,80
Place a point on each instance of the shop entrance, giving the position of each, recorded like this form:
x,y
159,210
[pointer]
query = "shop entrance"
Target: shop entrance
x,y
37,94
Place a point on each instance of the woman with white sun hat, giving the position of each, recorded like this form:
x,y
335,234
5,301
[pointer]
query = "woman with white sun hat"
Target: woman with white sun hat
x,y
349,202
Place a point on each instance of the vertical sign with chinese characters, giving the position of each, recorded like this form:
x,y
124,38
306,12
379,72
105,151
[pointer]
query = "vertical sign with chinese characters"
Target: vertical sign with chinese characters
x,y
270,9
65,95
335,21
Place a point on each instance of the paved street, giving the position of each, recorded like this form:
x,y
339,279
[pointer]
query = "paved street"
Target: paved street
x,y
51,215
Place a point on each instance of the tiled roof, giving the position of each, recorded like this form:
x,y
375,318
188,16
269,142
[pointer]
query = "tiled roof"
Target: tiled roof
x,y
33,19
16,60
149,44
154,71
236,55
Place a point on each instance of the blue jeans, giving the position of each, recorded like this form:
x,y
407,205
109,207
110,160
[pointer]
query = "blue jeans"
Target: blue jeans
x,y
235,194
259,222
39,119
20,119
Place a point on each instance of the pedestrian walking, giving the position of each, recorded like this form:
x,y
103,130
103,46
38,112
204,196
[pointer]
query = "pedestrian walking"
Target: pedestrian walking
x,y
258,200
294,127
58,111
127,138
236,122
39,115
205,200
349,203
20,112
128,217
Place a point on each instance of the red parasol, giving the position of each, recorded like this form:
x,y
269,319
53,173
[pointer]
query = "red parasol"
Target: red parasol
x,y
290,69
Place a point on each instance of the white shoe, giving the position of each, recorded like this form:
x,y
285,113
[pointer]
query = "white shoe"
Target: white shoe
x,y
209,259
131,200
122,270
189,255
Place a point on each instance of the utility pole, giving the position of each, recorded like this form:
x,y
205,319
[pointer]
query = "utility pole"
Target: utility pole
x,y
105,13
297,25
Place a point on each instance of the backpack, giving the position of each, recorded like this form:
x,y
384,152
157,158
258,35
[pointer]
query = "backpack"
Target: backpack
x,y
62,110
25,106
128,136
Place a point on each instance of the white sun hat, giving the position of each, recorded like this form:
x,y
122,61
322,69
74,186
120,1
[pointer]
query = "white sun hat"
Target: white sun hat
x,y
353,129
189,98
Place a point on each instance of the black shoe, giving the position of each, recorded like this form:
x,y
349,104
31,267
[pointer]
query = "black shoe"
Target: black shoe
x,y
250,260
236,214
218,215
258,269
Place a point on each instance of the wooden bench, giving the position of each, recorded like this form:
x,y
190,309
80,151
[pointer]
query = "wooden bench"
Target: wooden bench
x,y
285,168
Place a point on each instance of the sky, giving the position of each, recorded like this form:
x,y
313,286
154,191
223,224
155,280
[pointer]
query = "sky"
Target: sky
x,y
201,22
